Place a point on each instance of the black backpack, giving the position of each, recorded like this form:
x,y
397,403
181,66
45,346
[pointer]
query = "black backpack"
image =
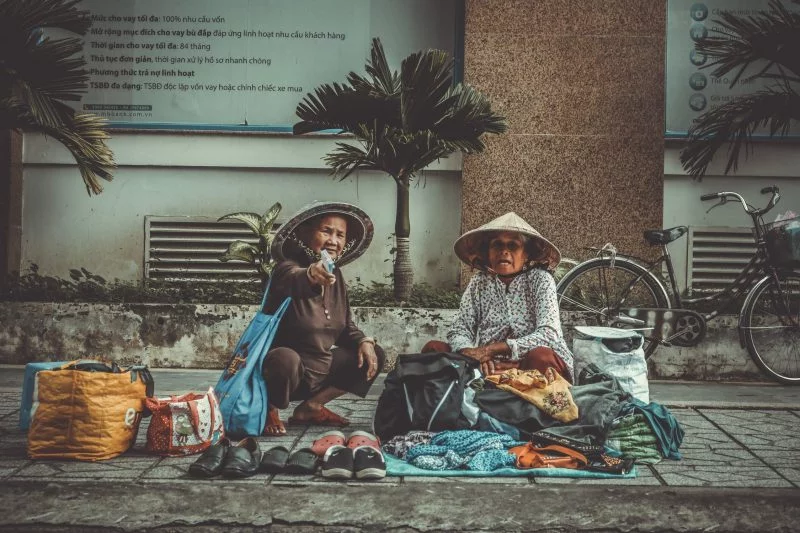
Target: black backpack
x,y
424,392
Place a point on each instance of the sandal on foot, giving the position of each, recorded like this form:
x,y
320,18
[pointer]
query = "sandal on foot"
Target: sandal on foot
x,y
242,459
274,460
323,417
303,461
326,440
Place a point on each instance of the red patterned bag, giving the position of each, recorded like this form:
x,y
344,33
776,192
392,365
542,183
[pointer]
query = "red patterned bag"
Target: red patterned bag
x,y
184,425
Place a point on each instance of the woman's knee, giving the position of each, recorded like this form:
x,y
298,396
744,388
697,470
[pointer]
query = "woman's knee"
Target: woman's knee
x,y
541,358
436,346
284,362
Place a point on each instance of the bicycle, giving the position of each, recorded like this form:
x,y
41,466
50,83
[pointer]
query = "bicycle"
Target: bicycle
x,y
620,290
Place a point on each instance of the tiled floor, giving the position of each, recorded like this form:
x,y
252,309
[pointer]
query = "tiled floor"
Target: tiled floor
x,y
721,448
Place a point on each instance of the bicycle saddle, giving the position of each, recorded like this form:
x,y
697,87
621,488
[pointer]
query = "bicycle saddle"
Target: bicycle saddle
x,y
664,236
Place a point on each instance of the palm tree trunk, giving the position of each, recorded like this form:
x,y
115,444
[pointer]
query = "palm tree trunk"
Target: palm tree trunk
x,y
403,274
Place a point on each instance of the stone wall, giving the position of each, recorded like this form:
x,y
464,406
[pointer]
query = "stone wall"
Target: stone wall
x,y
203,336
582,85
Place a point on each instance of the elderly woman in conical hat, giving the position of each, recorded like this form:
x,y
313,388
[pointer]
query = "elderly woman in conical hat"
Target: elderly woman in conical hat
x,y
508,317
318,353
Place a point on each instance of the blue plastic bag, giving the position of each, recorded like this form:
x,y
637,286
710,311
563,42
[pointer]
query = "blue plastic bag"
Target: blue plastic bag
x,y
241,390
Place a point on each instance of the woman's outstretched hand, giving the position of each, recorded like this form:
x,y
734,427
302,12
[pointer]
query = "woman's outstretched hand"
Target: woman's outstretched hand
x,y
319,275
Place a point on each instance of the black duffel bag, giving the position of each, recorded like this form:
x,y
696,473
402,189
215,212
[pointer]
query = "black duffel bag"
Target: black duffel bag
x,y
424,392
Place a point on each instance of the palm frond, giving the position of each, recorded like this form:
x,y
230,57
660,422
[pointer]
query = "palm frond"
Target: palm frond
x,y
83,134
339,106
426,78
30,15
385,81
401,122
772,35
347,158
736,122
471,117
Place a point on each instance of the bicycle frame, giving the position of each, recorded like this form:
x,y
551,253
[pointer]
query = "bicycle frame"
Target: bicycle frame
x,y
756,269
747,277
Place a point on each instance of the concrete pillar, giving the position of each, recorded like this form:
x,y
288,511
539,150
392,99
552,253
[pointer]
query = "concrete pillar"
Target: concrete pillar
x,y
582,85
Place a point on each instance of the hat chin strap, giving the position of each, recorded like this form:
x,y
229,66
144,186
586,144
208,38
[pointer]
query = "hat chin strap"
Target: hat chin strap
x,y
526,267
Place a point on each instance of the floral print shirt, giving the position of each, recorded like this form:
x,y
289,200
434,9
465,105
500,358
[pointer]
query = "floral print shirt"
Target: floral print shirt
x,y
523,313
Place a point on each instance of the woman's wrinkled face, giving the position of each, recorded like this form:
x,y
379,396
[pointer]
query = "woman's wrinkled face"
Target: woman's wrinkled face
x,y
329,234
507,253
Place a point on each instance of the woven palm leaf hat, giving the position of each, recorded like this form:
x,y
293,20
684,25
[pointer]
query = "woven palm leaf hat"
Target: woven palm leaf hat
x,y
288,245
472,246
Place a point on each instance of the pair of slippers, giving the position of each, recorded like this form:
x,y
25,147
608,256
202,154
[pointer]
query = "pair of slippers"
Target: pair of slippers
x,y
337,438
277,460
355,456
231,460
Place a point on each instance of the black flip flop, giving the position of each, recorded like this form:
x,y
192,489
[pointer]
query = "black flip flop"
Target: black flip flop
x,y
303,461
274,460
242,459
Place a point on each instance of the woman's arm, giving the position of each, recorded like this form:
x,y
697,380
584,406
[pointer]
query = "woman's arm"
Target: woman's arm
x,y
291,279
545,312
351,336
464,327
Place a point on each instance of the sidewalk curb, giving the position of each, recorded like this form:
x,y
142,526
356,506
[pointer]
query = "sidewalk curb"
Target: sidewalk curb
x,y
321,506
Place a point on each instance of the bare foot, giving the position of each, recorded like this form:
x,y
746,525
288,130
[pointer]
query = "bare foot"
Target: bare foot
x,y
274,424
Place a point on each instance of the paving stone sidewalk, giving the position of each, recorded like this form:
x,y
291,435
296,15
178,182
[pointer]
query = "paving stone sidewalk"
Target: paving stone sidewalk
x,y
737,437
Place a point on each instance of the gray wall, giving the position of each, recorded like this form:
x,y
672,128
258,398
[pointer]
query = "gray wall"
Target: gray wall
x,y
212,175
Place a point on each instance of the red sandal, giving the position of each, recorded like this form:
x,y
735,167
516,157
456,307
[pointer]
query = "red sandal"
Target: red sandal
x,y
326,440
323,417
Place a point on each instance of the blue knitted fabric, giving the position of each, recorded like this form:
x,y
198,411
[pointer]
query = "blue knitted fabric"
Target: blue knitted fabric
x,y
473,450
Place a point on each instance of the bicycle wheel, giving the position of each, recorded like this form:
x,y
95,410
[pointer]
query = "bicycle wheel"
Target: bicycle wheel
x,y
596,294
771,327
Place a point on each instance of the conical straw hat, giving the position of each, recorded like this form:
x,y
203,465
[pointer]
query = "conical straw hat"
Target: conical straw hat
x,y
468,246
359,231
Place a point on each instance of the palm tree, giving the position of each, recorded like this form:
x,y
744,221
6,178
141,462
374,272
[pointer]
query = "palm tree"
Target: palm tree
x,y
402,122
773,36
38,74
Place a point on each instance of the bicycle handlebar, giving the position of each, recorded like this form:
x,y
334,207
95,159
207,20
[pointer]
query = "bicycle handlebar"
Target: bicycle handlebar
x,y
726,195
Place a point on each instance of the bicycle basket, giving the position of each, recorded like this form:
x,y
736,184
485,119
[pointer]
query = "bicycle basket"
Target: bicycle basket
x,y
783,242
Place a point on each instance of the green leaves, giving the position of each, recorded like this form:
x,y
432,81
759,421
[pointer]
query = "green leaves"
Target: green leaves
x,y
735,122
772,37
402,122
241,251
261,226
39,74
252,220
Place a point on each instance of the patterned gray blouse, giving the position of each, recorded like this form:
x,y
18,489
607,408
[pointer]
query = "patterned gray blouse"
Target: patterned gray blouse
x,y
523,313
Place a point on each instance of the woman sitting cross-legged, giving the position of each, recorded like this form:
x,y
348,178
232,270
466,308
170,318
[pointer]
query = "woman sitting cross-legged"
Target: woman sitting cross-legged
x,y
508,317
318,353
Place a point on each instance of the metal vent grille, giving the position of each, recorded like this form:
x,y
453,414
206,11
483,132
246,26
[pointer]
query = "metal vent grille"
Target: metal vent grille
x,y
187,249
717,255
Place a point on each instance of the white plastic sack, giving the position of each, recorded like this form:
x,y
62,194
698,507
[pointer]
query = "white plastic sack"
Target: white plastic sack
x,y
629,367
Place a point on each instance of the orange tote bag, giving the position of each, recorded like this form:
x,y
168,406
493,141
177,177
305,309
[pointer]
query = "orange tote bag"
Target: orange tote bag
x,y
87,410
